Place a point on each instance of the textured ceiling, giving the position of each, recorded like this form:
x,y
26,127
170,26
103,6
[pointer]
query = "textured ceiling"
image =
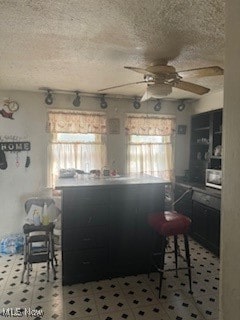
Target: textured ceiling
x,y
85,44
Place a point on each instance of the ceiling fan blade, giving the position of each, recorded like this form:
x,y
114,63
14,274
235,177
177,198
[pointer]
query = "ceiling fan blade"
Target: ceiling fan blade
x,y
141,70
123,85
201,72
191,87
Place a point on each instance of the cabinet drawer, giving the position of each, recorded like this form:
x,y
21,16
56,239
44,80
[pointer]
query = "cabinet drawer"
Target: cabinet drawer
x,y
90,194
84,238
85,265
124,194
207,200
85,215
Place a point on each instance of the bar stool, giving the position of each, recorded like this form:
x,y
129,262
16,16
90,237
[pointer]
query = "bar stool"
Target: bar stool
x,y
166,224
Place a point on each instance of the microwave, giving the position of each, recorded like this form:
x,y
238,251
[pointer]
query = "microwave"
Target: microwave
x,y
214,178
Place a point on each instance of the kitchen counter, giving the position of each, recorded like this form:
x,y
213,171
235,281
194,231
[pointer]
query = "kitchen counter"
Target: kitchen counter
x,y
198,187
87,180
105,230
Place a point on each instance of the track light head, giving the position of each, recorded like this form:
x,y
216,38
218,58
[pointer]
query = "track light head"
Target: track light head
x,y
49,97
181,106
103,102
158,105
77,100
136,103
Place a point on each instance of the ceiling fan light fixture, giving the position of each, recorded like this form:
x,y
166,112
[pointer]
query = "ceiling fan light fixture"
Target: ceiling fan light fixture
x,y
136,103
158,105
49,97
181,106
161,89
103,102
77,100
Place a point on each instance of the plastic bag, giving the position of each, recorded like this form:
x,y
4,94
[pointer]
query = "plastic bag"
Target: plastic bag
x,y
12,244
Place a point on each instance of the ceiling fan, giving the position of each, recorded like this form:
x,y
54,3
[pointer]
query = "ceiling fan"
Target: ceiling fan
x,y
160,80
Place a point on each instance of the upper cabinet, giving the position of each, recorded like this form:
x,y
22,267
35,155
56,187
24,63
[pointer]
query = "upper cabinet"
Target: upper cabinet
x,y
206,144
216,147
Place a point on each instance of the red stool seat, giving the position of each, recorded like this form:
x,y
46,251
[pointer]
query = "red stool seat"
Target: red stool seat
x,y
166,224
169,223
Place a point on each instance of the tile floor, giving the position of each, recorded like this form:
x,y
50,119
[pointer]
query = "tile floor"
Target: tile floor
x,y
130,298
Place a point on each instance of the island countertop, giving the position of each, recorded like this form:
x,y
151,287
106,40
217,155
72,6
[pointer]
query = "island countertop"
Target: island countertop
x,y
87,180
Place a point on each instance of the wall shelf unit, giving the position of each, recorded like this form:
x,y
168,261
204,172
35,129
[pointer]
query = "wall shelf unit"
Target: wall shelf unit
x,y
206,142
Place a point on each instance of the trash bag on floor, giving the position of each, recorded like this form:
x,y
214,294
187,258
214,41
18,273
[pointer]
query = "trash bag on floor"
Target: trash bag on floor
x,y
12,244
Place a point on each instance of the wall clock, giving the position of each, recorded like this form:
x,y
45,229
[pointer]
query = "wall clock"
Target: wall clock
x,y
12,105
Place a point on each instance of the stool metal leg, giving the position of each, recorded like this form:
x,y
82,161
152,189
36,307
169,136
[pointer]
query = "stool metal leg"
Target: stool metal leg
x,y
161,265
176,253
25,258
52,255
28,273
152,249
188,261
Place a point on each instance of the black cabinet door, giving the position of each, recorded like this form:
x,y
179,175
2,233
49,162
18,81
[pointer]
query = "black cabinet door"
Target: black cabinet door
x,y
128,227
85,265
199,222
84,208
213,230
123,244
206,226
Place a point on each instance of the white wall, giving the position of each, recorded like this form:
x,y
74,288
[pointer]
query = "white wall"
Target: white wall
x,y
230,214
212,101
18,183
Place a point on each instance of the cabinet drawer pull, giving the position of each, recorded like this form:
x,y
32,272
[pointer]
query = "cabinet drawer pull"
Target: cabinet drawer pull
x,y
86,239
86,262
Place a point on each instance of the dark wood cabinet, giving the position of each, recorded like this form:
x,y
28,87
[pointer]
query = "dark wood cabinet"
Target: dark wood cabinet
x,y
85,233
105,231
216,147
204,210
206,220
205,152
200,146
129,230
206,141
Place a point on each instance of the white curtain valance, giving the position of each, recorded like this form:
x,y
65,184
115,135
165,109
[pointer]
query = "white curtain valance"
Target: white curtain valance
x,y
76,122
149,125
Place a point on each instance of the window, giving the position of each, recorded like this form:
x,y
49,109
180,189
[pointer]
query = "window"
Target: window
x,y
77,142
149,145
76,137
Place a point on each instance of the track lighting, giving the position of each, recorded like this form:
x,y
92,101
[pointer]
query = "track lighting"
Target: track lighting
x,y
136,103
77,100
181,106
103,102
49,97
158,105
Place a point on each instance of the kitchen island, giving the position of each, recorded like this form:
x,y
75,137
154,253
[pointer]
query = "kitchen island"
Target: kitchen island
x,y
104,225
